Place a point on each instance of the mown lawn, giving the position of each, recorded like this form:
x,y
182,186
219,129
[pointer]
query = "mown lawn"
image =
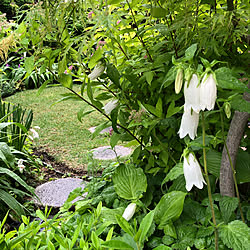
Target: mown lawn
x,y
61,133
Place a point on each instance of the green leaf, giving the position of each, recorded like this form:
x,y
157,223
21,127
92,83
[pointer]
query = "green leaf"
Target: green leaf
x,y
66,80
124,225
189,53
129,182
172,109
95,58
11,202
240,104
169,229
110,2
81,114
158,12
226,80
235,235
113,74
144,227
149,76
116,244
95,240
174,173
228,206
213,162
169,78
29,64
169,208
114,139
243,167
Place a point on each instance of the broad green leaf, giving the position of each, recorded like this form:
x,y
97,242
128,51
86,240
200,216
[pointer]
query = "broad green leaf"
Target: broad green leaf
x,y
66,80
169,78
174,173
240,104
172,109
213,162
243,167
228,206
226,80
235,235
129,182
158,12
124,225
95,58
189,53
169,229
149,76
29,64
110,2
144,227
109,215
169,208
116,244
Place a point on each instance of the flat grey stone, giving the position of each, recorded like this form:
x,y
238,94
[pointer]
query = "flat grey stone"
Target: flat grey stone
x,y
55,193
106,152
104,131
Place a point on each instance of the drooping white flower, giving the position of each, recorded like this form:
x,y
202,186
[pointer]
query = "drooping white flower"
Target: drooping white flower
x,y
35,135
129,211
192,93
192,172
97,71
208,92
20,165
189,123
110,106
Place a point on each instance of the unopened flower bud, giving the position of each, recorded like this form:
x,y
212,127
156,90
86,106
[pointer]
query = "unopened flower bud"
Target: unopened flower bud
x,y
129,211
227,109
178,81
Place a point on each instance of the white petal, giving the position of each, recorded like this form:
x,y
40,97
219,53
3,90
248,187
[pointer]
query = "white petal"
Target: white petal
x,y
110,106
34,133
129,211
189,123
192,173
97,71
192,93
208,92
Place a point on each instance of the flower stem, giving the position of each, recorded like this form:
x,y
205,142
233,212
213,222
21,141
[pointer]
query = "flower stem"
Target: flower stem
x,y
208,182
231,164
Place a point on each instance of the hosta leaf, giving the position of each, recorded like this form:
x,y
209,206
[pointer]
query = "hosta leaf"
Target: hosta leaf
x,y
169,208
240,104
235,235
129,182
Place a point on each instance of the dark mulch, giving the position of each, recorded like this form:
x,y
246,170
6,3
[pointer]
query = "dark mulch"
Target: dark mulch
x,y
52,169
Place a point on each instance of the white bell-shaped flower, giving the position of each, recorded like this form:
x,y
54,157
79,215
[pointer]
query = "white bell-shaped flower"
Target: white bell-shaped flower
x,y
189,123
97,71
20,165
208,92
129,211
192,93
192,173
35,135
110,106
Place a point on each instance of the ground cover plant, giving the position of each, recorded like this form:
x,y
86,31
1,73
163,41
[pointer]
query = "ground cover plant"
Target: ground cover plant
x,y
171,77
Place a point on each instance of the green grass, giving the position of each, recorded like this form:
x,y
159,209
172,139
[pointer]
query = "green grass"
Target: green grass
x,y
61,133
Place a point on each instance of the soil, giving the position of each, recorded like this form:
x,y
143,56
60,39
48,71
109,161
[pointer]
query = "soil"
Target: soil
x,y
52,169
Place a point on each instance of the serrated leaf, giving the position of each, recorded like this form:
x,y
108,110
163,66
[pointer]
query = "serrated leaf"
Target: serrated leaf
x,y
129,182
169,208
243,167
226,80
174,173
169,230
235,235
228,206
240,104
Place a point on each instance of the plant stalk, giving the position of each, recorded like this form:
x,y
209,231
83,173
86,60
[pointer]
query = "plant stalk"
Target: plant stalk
x,y
208,182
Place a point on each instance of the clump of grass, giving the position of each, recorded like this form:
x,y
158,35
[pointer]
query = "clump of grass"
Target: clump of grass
x,y
61,133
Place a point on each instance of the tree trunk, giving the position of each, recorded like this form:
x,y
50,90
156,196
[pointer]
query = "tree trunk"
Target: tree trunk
x,y
235,133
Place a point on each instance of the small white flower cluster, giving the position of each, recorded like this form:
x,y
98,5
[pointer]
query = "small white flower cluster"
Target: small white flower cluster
x,y
197,97
35,135
20,165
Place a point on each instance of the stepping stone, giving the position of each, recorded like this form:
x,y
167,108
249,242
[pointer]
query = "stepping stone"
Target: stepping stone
x,y
55,193
104,131
106,152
